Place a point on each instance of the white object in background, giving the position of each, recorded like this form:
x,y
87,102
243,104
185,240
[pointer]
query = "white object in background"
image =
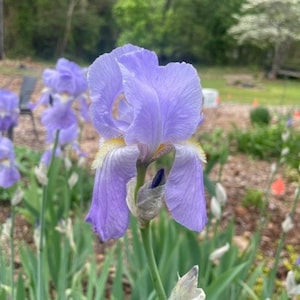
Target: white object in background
x,y
211,98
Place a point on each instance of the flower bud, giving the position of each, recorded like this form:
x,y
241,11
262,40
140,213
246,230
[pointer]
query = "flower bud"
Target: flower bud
x,y
215,208
149,199
6,228
41,174
273,168
218,253
292,287
285,151
221,193
81,161
68,163
17,198
285,136
287,224
66,227
186,287
73,180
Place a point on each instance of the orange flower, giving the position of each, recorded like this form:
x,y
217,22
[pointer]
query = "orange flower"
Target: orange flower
x,y
297,115
255,103
278,187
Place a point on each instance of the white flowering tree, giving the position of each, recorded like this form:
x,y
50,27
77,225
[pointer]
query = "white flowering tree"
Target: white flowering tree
x,y
269,23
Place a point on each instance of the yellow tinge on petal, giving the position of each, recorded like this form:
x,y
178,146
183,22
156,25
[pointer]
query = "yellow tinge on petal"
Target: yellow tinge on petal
x,y
104,149
197,149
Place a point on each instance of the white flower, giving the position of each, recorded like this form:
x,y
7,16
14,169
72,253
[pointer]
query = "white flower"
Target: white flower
x,y
186,287
73,180
292,288
41,174
218,253
221,193
215,208
287,224
17,198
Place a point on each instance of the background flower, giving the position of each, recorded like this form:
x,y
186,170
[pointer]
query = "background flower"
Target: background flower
x,y
9,173
9,109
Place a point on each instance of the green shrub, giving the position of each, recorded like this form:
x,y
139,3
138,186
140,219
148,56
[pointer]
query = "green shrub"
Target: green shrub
x,y
260,116
253,197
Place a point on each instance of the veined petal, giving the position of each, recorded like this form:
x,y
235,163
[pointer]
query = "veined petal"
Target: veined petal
x,y
137,69
105,84
180,94
184,193
109,213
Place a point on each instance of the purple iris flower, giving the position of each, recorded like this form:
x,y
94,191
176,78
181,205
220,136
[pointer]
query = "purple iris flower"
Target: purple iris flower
x,y
9,173
142,110
66,78
64,84
9,109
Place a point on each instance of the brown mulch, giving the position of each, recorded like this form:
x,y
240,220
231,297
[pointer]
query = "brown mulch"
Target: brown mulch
x,y
239,174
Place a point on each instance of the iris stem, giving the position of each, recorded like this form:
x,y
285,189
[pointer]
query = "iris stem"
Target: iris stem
x,y
40,289
147,240
12,251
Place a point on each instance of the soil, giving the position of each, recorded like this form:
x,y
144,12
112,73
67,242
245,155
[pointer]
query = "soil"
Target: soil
x,y
240,172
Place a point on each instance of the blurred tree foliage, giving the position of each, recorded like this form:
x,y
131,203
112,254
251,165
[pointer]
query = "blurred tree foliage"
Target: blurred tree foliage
x,y
38,27
192,30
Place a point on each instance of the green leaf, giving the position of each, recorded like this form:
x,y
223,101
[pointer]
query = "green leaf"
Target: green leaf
x,y
221,283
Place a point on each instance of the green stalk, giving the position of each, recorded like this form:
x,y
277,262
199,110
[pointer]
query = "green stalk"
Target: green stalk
x,y
147,240
40,265
12,251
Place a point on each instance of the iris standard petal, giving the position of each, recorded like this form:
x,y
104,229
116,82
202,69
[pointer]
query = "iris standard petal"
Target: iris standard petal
x,y
184,194
105,84
179,91
109,213
136,69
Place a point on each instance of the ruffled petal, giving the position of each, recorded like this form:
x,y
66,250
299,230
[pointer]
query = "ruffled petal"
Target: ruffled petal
x,y
59,116
137,70
184,193
109,213
9,175
105,84
180,94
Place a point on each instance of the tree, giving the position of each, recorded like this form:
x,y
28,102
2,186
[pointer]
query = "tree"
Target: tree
x,y
190,30
1,31
269,23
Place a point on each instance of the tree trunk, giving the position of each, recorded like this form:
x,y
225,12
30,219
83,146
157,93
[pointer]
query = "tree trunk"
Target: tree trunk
x,y
68,27
1,31
280,53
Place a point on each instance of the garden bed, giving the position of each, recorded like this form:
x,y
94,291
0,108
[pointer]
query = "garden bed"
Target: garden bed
x,y
240,173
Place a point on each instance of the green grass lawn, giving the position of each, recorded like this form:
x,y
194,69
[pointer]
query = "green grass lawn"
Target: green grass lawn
x,y
267,92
